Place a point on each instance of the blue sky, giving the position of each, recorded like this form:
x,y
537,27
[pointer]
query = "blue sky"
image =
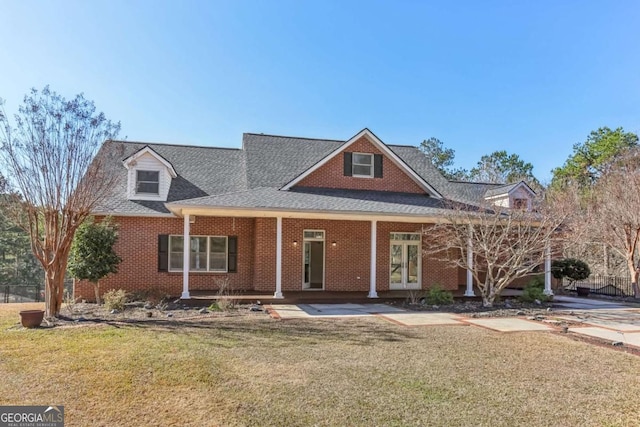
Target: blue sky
x,y
531,77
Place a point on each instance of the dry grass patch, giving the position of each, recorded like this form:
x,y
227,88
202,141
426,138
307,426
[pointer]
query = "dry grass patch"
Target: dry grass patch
x,y
250,370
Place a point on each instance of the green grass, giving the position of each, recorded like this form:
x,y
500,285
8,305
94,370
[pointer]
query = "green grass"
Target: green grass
x,y
253,370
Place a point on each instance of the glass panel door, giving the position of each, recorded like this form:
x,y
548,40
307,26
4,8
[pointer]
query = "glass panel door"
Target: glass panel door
x,y
307,264
412,263
313,260
405,261
396,264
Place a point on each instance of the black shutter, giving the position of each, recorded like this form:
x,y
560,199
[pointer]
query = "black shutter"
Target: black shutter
x,y
163,252
232,254
348,164
377,165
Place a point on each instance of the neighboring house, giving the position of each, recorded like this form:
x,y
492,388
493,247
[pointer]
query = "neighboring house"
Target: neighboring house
x,y
283,214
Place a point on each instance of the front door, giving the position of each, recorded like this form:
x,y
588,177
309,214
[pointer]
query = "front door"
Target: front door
x,y
313,259
405,265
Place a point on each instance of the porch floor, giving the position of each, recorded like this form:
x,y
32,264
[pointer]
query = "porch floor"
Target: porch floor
x,y
305,297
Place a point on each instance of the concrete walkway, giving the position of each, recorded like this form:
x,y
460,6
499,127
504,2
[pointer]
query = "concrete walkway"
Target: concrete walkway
x,y
608,320
509,324
400,316
574,303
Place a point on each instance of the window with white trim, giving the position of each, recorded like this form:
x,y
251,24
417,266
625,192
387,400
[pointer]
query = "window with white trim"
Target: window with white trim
x,y
207,253
362,165
147,182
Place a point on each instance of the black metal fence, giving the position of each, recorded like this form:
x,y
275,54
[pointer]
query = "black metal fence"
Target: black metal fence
x,y
22,293
603,285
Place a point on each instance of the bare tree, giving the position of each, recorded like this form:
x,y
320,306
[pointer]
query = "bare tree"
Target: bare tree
x,y
47,155
506,244
613,211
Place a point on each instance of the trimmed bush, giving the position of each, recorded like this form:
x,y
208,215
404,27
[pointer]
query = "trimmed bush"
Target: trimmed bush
x,y
115,299
534,291
571,268
438,296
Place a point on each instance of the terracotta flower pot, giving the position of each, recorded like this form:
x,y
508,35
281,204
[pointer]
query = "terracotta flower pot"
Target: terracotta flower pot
x,y
31,318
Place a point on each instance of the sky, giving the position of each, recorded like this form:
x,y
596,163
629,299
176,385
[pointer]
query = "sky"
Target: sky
x,y
529,77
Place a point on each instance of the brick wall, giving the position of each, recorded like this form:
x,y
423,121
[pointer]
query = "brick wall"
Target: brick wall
x,y
331,174
264,272
434,271
138,247
347,264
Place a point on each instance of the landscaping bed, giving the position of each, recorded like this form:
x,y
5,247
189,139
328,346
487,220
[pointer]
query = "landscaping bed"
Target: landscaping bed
x,y
505,308
90,313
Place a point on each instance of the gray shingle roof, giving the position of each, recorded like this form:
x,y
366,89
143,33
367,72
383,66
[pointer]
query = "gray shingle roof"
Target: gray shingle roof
x,y
201,171
501,189
253,175
325,200
273,161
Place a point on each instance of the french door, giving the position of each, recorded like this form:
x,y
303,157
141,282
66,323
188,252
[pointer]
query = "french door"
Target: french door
x,y
405,261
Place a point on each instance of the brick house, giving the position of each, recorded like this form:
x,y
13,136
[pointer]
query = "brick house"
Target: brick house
x,y
282,214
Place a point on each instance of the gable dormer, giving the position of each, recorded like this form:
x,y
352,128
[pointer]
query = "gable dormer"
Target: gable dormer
x,y
149,175
512,196
363,162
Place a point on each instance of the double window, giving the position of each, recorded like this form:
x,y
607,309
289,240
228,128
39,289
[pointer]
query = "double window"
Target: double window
x,y
147,182
206,253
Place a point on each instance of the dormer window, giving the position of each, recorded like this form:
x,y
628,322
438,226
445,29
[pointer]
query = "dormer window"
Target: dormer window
x,y
147,182
522,204
149,175
362,165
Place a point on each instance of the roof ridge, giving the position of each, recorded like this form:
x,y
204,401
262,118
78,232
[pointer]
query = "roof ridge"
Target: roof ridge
x,y
403,145
295,137
169,144
458,181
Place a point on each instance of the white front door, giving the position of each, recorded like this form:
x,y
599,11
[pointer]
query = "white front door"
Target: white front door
x,y
405,261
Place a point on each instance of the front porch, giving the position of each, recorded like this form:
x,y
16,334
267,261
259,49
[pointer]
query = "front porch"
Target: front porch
x,y
359,258
205,298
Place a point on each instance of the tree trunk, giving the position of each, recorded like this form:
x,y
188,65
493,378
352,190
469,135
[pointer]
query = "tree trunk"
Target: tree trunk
x,y
634,271
487,301
54,290
488,296
96,287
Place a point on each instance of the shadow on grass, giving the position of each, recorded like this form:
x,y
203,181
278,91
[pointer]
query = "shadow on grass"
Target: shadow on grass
x,y
270,331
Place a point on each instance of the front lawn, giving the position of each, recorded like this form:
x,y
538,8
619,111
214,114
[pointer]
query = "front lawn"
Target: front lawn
x,y
253,370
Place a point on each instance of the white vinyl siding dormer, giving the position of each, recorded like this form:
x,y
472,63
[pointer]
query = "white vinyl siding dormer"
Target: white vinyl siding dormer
x,y
519,197
143,166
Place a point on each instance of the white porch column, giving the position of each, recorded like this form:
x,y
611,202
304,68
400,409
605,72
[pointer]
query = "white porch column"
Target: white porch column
x,y
186,245
372,284
547,270
469,291
278,292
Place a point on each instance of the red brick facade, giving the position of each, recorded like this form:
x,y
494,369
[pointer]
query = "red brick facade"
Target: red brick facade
x,y
331,174
347,243
347,264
